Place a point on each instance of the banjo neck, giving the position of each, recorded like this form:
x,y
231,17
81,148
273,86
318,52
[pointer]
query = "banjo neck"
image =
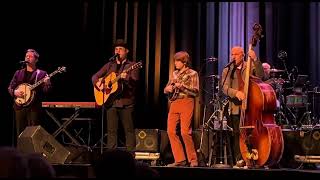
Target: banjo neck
x,y
32,87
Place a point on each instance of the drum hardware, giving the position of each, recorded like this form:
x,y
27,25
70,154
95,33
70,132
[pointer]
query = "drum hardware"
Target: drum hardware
x,y
306,116
282,108
215,121
315,92
213,102
299,104
212,76
281,117
276,70
280,86
218,123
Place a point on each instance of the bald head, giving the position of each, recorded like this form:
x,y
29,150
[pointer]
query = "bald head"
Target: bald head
x,y
237,49
237,54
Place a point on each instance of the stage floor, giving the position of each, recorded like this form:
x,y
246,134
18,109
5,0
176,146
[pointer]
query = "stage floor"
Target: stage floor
x,y
86,171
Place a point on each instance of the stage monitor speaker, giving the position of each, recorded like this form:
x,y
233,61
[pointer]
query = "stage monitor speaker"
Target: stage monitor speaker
x,y
147,140
34,139
299,142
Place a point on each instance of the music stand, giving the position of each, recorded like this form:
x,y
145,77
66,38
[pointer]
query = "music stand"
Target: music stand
x,y
301,80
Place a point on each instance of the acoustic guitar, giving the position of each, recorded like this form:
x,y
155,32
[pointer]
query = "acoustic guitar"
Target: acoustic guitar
x,y
108,87
28,89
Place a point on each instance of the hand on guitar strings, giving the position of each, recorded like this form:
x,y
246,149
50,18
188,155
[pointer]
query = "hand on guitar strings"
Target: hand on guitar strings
x,y
123,75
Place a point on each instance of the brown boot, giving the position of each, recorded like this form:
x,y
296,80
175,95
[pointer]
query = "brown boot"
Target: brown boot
x,y
194,164
176,164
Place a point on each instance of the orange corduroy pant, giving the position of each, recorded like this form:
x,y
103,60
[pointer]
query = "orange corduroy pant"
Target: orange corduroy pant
x,y
181,110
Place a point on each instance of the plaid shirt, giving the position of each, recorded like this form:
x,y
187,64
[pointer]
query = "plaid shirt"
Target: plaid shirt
x,y
189,80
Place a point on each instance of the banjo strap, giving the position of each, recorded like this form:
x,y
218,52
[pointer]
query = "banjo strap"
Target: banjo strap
x,y
37,75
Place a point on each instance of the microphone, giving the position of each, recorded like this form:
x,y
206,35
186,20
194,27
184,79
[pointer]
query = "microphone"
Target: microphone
x,y
211,59
229,64
114,56
24,62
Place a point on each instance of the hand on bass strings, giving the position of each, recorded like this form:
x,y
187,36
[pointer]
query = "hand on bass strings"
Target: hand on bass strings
x,y
240,95
252,55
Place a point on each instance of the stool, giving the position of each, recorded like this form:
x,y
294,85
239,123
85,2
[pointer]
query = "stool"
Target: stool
x,y
221,145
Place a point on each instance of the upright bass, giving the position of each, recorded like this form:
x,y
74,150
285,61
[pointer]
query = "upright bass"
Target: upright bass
x,y
261,139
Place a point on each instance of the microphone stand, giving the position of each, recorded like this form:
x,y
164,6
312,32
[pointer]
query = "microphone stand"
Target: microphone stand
x,y
103,106
102,114
223,150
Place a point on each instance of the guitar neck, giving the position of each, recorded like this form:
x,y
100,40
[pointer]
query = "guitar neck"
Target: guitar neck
x,y
115,79
135,66
119,76
42,80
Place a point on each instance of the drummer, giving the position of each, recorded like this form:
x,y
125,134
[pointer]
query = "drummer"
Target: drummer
x,y
266,68
270,80
270,76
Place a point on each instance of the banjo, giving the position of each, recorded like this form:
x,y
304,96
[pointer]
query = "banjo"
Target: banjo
x,y
28,89
182,78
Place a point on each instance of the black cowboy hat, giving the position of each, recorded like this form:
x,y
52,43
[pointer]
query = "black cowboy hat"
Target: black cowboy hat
x,y
120,42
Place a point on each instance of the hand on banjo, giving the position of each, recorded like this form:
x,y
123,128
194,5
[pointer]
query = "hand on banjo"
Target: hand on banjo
x,y
169,88
18,93
46,79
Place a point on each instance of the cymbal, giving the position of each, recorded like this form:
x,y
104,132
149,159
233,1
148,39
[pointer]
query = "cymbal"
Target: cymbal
x,y
212,76
276,81
276,70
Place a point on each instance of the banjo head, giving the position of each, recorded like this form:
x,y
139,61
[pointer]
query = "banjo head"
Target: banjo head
x,y
28,95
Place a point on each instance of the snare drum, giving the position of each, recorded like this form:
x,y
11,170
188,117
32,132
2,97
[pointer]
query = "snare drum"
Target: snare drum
x,y
296,100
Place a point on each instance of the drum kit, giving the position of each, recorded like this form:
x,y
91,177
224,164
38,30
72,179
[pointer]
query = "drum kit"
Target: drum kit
x,y
295,102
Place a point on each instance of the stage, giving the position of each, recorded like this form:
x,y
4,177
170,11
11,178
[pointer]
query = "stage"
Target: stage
x,y
86,171
78,163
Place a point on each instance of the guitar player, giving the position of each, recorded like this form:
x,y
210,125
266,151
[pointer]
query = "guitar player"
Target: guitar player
x,y
28,115
121,106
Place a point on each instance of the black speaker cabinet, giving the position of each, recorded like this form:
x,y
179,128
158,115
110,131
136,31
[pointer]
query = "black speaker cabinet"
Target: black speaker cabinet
x,y
147,140
299,142
34,139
